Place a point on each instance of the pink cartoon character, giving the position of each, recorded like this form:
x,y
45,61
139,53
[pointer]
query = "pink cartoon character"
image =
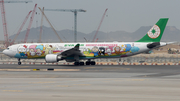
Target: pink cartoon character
x,y
32,50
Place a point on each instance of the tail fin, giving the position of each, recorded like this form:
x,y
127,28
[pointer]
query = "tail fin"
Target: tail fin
x,y
156,32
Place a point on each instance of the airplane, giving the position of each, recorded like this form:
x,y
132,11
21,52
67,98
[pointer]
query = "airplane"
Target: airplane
x,y
75,52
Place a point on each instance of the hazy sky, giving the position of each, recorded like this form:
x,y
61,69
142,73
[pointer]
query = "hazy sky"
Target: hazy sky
x,y
127,15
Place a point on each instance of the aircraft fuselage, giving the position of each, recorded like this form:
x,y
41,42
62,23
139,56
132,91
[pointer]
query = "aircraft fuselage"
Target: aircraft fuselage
x,y
89,50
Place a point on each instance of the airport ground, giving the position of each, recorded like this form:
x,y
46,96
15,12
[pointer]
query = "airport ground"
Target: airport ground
x,y
77,83
101,82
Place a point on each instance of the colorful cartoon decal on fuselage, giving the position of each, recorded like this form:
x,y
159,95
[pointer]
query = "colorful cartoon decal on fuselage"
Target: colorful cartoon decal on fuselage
x,y
22,50
90,50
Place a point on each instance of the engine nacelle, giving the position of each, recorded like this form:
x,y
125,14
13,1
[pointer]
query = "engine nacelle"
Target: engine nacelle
x,y
51,58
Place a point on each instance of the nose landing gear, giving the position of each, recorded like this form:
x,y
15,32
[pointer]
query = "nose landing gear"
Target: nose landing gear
x,y
19,61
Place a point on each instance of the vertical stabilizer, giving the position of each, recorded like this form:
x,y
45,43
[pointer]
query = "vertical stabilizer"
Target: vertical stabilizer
x,y
156,32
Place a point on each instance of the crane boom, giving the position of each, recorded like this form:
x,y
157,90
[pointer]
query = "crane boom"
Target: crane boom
x,y
5,31
99,25
3,14
67,10
31,20
96,40
50,24
13,1
41,27
75,17
21,27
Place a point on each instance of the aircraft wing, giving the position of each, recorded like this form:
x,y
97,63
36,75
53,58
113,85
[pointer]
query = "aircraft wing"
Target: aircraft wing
x,y
72,52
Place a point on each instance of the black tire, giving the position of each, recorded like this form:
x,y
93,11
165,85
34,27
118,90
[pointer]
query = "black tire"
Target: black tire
x,y
93,63
81,63
76,63
19,63
88,63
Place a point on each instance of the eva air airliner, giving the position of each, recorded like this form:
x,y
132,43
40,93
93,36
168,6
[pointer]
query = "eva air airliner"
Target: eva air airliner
x,y
75,52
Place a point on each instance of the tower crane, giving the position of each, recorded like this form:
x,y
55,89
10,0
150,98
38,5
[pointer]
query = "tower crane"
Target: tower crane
x,y
75,18
21,27
50,24
3,14
99,25
30,23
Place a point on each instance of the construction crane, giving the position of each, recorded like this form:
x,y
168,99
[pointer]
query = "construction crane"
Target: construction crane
x,y
50,25
85,39
3,14
99,25
30,23
21,27
41,26
96,40
75,18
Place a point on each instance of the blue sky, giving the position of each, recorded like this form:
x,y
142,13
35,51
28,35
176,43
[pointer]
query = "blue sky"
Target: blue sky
x,y
127,15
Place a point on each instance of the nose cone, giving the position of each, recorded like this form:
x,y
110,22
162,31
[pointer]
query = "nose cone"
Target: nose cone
x,y
5,52
8,52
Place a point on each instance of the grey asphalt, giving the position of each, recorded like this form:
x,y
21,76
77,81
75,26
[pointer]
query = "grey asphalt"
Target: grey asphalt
x,y
114,71
77,83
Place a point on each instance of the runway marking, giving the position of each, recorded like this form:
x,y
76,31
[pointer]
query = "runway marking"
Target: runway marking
x,y
138,79
12,90
82,84
89,67
66,69
41,82
22,66
63,86
39,70
116,68
15,69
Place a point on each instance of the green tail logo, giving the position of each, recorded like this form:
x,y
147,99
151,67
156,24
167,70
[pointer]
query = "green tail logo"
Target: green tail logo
x,y
156,32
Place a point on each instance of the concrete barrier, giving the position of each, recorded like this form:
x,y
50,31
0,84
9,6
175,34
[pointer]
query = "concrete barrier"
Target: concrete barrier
x,y
98,63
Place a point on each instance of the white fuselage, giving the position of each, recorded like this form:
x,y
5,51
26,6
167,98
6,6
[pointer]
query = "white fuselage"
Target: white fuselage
x,y
89,50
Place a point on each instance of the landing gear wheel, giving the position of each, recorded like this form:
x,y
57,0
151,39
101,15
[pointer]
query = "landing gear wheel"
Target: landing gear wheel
x,y
76,63
81,63
88,62
93,63
19,63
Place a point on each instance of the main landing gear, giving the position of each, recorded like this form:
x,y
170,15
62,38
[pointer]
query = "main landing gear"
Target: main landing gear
x,y
78,63
19,61
89,62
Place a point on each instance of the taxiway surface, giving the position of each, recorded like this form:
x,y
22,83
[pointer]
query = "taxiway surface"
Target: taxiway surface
x,y
67,83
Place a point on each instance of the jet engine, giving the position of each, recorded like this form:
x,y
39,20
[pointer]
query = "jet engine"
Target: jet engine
x,y
51,58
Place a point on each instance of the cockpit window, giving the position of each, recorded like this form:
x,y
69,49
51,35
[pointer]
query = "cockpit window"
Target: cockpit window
x,y
7,48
